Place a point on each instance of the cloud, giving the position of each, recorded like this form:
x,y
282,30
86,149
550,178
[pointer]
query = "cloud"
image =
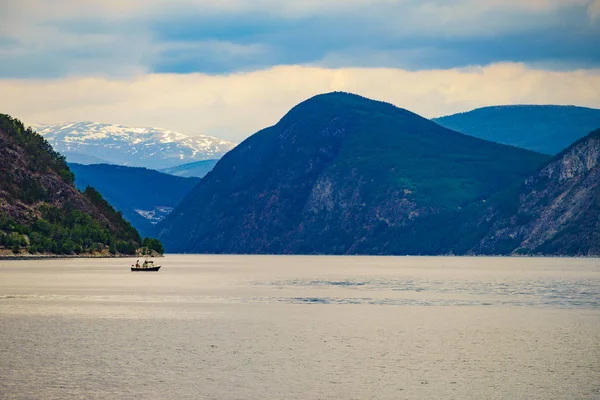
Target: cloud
x,y
288,8
236,105
212,56
43,38
594,10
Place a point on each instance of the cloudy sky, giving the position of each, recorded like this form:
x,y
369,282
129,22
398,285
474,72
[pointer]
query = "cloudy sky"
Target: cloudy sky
x,y
230,67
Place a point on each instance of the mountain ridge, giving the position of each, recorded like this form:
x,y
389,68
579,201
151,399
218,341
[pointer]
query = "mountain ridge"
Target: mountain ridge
x,y
154,148
197,169
41,211
332,176
144,196
544,128
555,211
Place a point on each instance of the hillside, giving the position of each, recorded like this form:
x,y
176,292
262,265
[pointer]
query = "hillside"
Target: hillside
x,y
152,148
545,129
143,196
555,212
196,169
85,159
40,209
341,174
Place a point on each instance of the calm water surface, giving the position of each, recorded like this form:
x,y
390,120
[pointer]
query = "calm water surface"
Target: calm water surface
x,y
253,327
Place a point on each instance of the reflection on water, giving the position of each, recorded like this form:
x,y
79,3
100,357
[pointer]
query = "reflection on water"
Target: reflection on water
x,y
237,327
533,293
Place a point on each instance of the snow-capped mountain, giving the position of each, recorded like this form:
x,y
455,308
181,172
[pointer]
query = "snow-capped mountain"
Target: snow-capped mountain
x,y
152,148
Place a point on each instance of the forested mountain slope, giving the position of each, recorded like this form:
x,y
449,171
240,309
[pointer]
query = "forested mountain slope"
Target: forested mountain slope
x,y
342,174
41,211
555,212
144,196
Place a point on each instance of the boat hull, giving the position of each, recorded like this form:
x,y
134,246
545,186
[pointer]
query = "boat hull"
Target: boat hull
x,y
151,269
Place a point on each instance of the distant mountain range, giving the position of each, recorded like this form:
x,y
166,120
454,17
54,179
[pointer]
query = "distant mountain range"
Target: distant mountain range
x,y
545,129
342,174
92,143
196,169
338,174
144,196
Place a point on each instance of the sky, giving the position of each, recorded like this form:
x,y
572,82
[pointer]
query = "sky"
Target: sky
x,y
228,68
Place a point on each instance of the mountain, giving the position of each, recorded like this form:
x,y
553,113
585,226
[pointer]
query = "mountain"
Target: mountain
x,y
41,211
545,129
555,212
341,174
122,145
196,169
144,196
85,159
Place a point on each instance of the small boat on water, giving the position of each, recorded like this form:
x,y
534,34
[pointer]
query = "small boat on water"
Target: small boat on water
x,y
147,266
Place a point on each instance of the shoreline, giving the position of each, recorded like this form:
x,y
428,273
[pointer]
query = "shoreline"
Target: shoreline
x,y
64,256
73,256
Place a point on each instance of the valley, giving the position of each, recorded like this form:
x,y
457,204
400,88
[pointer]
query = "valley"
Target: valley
x,y
344,174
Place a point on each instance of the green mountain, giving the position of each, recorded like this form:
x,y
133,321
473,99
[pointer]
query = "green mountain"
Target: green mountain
x,y
196,169
342,174
41,211
144,196
545,129
556,211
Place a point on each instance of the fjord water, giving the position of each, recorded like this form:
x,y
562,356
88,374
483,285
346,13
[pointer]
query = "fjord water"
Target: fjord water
x,y
268,327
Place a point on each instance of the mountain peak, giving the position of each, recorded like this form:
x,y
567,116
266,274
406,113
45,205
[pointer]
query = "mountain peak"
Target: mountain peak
x,y
344,99
154,148
344,105
338,174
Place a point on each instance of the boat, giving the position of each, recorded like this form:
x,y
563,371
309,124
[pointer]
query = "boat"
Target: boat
x,y
147,266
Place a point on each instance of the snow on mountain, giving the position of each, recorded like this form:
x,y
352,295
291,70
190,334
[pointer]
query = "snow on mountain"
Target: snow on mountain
x,y
153,148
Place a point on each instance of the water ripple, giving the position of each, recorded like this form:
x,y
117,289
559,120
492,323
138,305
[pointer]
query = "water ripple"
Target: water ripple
x,y
539,293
